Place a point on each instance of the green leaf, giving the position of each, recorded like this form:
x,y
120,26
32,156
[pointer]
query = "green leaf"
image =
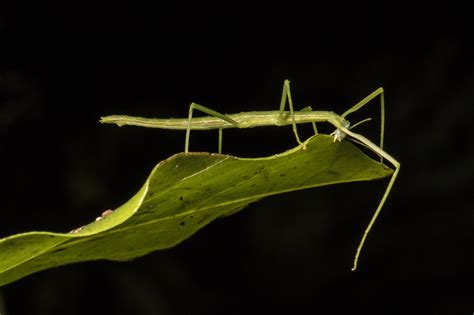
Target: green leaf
x,y
183,194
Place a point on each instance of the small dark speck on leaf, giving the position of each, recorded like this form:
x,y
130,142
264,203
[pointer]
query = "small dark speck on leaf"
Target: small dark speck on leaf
x,y
182,223
58,250
181,198
333,173
282,174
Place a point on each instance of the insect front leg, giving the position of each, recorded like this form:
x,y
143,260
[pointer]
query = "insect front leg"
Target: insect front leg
x,y
371,96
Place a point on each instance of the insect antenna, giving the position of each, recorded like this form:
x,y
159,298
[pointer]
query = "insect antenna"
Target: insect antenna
x,y
360,122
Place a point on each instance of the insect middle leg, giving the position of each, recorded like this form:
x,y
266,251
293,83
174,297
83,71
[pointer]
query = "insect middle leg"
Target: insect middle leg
x,y
308,109
287,94
209,112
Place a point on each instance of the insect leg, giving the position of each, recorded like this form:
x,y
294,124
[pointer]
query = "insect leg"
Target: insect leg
x,y
367,99
396,164
209,112
219,145
308,109
376,214
287,94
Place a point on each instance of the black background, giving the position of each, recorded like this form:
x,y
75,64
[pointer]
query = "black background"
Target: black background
x,y
63,68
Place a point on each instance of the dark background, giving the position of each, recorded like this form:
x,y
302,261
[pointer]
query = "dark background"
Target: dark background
x,y
61,69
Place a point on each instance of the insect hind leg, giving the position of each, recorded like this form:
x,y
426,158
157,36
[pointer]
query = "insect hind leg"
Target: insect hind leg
x,y
208,111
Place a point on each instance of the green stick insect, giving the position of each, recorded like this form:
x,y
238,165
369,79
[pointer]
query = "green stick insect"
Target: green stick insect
x,y
220,121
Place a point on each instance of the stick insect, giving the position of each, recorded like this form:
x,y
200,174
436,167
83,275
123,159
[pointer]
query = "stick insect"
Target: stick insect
x,y
282,117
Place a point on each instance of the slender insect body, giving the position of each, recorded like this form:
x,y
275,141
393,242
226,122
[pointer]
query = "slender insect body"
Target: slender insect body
x,y
276,118
243,120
